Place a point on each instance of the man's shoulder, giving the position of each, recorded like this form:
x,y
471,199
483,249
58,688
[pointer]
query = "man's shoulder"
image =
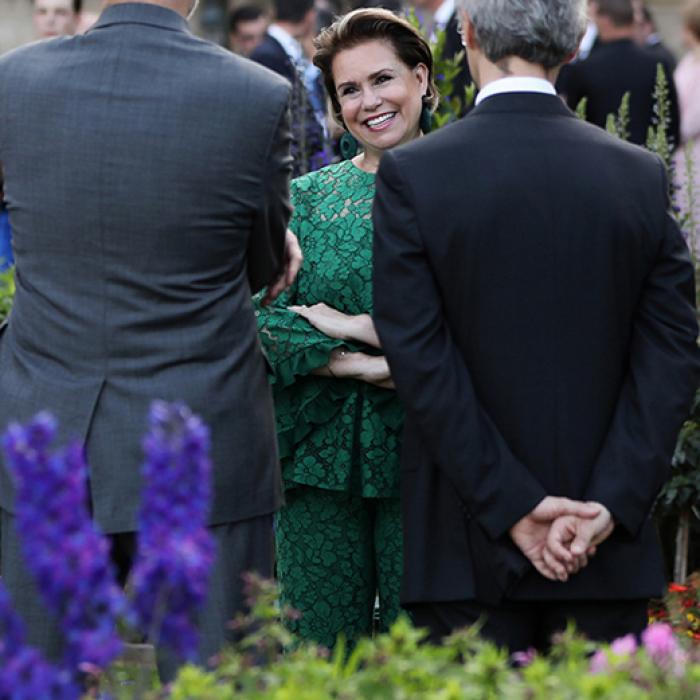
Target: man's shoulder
x,y
28,54
271,54
443,140
33,63
469,144
237,70
623,56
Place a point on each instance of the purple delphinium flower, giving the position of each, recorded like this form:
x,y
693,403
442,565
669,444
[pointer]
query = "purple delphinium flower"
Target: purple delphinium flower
x,y
175,550
63,549
24,673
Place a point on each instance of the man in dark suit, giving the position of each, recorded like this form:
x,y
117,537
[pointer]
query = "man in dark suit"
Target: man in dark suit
x,y
543,345
282,51
159,204
617,66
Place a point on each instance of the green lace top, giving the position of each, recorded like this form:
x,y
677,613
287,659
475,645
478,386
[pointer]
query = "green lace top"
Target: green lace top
x,y
338,434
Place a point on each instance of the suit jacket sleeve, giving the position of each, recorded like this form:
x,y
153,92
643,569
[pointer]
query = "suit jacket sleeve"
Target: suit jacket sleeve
x,y
431,378
663,374
266,246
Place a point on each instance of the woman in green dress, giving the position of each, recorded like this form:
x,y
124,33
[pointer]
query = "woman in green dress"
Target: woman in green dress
x,y
339,542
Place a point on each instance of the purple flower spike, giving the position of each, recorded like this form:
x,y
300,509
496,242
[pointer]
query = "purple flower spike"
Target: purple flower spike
x,y
65,552
175,550
24,673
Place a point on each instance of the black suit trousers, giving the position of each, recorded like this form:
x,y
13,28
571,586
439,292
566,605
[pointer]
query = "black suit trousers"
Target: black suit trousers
x,y
521,625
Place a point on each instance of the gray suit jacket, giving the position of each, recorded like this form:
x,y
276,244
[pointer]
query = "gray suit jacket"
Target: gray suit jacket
x,y
146,175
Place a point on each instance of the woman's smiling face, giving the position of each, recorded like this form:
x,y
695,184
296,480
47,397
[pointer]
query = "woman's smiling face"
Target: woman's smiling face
x,y
379,95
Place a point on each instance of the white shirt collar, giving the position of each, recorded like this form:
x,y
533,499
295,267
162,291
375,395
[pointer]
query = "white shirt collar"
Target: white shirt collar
x,y
290,45
515,84
587,41
443,13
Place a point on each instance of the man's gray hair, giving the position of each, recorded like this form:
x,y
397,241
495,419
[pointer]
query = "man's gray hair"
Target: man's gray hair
x,y
544,32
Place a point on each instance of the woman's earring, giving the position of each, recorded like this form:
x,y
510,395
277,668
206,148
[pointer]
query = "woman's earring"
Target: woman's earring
x,y
348,146
426,117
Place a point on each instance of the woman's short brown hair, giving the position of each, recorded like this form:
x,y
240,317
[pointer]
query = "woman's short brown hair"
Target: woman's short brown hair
x,y
372,24
691,17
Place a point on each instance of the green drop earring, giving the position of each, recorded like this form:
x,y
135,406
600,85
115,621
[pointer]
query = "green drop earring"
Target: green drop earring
x,y
348,146
426,117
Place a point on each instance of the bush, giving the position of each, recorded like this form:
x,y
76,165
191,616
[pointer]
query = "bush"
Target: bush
x,y
397,666
7,292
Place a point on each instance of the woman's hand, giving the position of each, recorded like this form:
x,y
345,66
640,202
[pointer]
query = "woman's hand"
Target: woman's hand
x,y
358,365
336,324
375,370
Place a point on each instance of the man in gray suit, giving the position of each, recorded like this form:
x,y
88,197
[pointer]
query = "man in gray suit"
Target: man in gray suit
x,y
146,175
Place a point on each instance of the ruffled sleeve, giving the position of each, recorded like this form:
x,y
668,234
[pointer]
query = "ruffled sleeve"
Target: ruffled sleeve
x,y
294,348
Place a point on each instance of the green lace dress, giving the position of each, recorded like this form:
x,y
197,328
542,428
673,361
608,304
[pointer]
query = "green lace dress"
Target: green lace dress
x,y
339,534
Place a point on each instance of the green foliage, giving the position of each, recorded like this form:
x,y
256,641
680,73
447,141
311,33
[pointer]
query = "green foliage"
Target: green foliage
x,y
657,138
683,489
682,492
398,666
7,292
445,70
582,108
619,125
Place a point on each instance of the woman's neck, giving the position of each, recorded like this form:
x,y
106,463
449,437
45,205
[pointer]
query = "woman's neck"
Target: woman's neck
x,y
368,160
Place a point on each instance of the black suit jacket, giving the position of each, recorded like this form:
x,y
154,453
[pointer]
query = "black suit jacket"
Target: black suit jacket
x,y
536,307
662,54
307,133
610,71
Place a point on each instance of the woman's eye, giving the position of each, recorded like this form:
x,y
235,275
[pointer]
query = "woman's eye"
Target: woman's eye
x,y
347,91
383,78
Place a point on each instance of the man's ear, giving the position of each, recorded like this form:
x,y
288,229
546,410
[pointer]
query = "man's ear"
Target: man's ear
x,y
468,31
570,57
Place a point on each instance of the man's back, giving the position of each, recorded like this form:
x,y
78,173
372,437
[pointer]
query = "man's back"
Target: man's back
x,y
138,180
614,68
538,286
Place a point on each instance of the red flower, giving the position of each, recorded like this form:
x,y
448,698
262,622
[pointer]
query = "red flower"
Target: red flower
x,y
677,588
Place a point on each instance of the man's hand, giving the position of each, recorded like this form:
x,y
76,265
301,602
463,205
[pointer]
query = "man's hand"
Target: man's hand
x,y
579,536
530,534
293,259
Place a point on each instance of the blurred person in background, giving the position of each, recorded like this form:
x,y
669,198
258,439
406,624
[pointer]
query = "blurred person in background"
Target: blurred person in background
x,y
441,15
247,25
648,37
282,50
687,78
56,17
617,66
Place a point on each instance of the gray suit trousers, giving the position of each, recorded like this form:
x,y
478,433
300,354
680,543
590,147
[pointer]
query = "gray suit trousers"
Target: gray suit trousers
x,y
241,546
